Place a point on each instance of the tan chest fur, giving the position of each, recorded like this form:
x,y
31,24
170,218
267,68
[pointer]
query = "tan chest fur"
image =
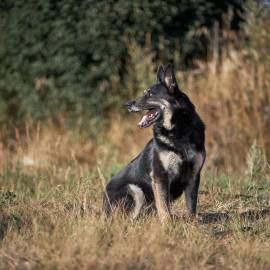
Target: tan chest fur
x,y
170,161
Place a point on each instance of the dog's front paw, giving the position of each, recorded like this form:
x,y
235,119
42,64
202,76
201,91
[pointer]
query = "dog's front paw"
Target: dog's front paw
x,y
165,218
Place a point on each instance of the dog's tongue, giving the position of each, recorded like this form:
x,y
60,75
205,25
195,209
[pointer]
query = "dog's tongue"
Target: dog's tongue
x,y
143,121
146,118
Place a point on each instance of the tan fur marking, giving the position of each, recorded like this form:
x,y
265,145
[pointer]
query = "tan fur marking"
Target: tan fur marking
x,y
170,161
162,206
167,114
139,199
165,140
169,81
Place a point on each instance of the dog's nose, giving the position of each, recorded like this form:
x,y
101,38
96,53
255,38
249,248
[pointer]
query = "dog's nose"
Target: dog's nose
x,y
131,106
129,103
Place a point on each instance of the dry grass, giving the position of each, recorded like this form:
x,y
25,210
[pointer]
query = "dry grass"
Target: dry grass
x,y
50,215
234,101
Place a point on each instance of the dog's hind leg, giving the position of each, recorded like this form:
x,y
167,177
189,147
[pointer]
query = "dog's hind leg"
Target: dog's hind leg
x,y
116,196
129,197
139,199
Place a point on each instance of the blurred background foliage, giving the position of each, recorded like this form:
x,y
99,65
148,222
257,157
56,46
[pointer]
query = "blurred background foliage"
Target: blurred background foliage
x,y
68,66
72,58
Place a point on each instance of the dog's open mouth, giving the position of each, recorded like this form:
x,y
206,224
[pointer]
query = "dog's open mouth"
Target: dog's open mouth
x,y
149,118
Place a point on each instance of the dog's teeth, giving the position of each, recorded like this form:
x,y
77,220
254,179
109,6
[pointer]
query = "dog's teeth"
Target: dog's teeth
x,y
141,123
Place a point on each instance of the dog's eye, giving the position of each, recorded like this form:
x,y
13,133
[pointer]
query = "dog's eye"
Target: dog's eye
x,y
147,92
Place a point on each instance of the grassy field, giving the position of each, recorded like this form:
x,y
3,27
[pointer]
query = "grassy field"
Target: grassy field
x,y
50,212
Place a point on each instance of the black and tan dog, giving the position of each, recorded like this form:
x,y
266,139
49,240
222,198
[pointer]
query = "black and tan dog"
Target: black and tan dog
x,y
171,161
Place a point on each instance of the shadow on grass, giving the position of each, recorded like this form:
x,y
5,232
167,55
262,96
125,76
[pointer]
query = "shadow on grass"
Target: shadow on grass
x,y
217,217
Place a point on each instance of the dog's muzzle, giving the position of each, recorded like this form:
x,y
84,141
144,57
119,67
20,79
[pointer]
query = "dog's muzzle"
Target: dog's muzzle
x,y
152,114
131,105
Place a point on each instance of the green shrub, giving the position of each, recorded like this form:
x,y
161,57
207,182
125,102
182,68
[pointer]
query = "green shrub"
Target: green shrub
x,y
71,56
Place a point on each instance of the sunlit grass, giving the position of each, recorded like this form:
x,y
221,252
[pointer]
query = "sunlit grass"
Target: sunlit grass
x,y
51,218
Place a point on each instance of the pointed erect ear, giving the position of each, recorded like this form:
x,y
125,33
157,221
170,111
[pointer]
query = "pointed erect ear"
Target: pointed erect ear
x,y
160,74
169,77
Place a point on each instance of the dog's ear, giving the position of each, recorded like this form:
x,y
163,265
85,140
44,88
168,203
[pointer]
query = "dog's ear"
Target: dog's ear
x,y
169,78
160,74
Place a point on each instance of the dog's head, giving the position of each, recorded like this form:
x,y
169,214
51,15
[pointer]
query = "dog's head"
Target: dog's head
x,y
159,100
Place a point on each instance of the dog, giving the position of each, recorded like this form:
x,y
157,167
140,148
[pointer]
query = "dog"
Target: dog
x,y
171,161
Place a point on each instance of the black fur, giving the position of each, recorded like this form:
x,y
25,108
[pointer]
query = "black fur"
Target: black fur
x,y
182,136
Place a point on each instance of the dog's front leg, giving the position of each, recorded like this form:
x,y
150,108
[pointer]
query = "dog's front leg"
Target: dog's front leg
x,y
191,194
193,182
161,194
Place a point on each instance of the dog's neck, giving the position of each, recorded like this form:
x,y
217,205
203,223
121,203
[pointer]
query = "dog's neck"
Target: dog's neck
x,y
178,129
175,123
